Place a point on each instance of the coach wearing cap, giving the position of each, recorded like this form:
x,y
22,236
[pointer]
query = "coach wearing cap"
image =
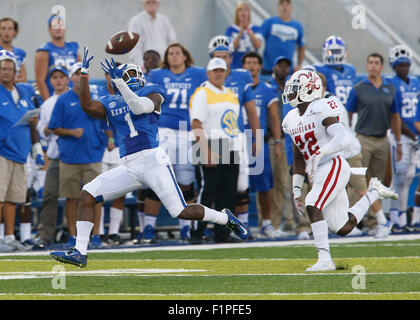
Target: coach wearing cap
x,y
81,145
214,114
59,79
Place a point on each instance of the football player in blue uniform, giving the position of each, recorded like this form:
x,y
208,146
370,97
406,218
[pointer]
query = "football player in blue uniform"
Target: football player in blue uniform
x,y
8,31
57,51
134,113
240,82
340,75
265,97
179,79
407,92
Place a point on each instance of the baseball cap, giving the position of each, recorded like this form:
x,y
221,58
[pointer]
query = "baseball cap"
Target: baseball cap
x,y
63,69
216,63
279,58
76,66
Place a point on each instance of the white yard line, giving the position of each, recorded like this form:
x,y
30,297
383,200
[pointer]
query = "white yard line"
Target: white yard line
x,y
263,244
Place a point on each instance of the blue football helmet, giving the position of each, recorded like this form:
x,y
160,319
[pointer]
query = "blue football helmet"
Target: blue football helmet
x,y
220,43
334,51
8,55
399,54
136,81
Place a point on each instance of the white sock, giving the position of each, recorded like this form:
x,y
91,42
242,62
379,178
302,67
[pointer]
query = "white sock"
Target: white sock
x,y
183,223
25,231
416,215
380,217
265,223
402,219
394,216
84,229
361,207
150,220
140,215
243,217
320,233
101,222
1,231
115,220
215,216
9,238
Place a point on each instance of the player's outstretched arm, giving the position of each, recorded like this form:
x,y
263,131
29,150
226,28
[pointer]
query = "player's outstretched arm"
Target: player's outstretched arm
x,y
95,109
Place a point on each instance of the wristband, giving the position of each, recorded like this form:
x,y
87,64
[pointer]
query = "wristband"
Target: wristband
x,y
297,180
399,142
111,140
84,71
277,141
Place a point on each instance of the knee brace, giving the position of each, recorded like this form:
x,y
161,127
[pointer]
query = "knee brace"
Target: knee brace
x,y
242,198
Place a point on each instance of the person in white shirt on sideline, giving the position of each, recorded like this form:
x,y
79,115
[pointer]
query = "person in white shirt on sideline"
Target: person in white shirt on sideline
x,y
59,79
155,30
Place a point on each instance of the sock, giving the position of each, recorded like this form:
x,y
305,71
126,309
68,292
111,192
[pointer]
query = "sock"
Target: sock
x,y
183,223
243,217
361,207
265,223
402,219
115,220
416,215
150,220
9,238
1,231
215,216
380,217
25,231
101,222
140,215
394,217
83,234
320,233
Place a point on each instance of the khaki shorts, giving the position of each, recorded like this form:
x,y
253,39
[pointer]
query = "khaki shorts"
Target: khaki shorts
x,y
357,182
12,181
74,176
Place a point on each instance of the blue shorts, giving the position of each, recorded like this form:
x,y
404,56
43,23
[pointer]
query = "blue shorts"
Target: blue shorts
x,y
264,181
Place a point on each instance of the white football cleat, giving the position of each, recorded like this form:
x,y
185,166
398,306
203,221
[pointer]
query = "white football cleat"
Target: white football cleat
x,y
267,232
322,265
384,192
383,230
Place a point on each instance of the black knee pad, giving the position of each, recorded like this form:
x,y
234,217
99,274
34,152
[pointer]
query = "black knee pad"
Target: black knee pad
x,y
189,195
242,198
150,194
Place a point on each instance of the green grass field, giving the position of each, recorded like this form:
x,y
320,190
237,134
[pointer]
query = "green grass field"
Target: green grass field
x,y
391,271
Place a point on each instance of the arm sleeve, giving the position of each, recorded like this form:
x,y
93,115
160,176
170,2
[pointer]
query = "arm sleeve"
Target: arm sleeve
x,y
340,138
138,105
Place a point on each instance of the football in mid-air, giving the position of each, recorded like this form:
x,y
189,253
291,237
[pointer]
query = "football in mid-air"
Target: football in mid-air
x,y
122,42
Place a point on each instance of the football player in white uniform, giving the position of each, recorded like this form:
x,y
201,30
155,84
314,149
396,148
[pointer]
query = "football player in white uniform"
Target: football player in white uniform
x,y
319,140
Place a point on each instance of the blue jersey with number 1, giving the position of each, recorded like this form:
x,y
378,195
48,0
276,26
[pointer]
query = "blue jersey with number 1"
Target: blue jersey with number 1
x,y
135,132
179,89
340,79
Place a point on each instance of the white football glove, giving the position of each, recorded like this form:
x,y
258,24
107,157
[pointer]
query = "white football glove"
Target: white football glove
x,y
313,163
297,199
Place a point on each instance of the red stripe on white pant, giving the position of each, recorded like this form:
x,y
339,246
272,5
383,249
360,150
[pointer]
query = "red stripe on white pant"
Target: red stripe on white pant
x,y
332,175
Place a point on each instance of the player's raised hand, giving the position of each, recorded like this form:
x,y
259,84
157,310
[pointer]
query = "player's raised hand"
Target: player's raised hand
x,y
86,60
111,68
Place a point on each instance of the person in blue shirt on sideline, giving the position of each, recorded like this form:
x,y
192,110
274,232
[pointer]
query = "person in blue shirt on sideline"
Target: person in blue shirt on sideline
x,y
134,113
179,78
265,97
55,52
9,29
16,142
245,37
340,74
81,144
407,93
282,34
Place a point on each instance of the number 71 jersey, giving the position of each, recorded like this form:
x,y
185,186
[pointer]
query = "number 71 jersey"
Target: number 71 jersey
x,y
307,131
